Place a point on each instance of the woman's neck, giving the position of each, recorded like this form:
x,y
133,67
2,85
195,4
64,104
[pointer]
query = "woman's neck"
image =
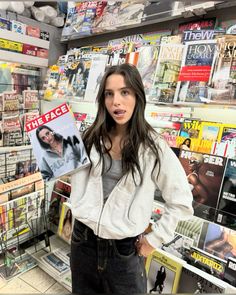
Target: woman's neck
x,y
57,147
117,139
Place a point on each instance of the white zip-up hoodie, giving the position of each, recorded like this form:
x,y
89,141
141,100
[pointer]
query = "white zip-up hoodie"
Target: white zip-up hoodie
x,y
128,209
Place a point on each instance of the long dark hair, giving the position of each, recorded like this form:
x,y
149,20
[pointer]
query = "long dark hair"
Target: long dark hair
x,y
187,142
68,216
43,144
138,130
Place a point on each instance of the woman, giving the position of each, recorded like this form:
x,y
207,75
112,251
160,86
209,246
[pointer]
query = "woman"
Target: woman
x,y
186,144
67,226
160,278
112,200
60,155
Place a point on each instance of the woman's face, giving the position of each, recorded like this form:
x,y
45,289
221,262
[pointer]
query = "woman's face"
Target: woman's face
x,y
46,136
187,142
119,99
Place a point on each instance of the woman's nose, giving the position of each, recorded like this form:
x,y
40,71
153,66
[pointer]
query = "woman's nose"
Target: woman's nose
x,y
116,99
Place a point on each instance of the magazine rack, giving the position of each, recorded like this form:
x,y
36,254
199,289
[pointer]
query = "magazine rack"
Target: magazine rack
x,y
22,209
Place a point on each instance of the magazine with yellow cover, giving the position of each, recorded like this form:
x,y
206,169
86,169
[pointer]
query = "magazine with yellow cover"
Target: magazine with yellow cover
x,y
210,131
163,272
228,133
65,222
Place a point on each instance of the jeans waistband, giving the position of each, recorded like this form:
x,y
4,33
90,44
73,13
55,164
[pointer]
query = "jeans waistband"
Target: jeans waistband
x,y
92,235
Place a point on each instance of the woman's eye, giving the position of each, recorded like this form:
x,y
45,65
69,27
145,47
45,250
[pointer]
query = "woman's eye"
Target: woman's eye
x,y
124,92
108,94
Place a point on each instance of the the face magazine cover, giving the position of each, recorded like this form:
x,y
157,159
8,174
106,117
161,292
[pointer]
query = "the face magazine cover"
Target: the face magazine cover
x,y
56,143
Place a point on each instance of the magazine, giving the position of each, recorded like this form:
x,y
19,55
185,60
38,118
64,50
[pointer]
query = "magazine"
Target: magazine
x,y
206,262
178,246
163,272
205,174
195,281
167,72
56,143
195,72
131,12
95,75
30,99
218,241
226,207
230,271
191,228
55,263
65,222
146,65
221,84
203,24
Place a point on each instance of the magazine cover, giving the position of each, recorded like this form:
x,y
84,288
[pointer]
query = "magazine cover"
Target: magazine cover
x,y
96,25
163,272
167,72
146,66
226,207
77,74
55,263
131,12
62,187
205,174
210,131
10,101
178,246
195,72
167,129
89,17
224,148
95,75
19,187
56,143
110,16
221,84
30,99
155,37
218,241
228,133
156,9
191,228
230,271
193,35
196,281
11,127
207,262
55,206
65,222
202,24
3,218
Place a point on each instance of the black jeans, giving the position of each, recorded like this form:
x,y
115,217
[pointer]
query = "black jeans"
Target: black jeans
x,y
105,266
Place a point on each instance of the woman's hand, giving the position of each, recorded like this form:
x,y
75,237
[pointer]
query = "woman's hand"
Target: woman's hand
x,y
143,247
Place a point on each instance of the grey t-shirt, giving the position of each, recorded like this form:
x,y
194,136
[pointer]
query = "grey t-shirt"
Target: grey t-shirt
x,y
111,177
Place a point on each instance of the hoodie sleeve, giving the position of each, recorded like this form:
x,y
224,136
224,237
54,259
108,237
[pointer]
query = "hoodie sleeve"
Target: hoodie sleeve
x,y
172,182
78,149
45,170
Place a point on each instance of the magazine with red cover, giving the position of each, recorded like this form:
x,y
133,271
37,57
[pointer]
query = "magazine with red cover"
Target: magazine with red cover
x,y
192,86
56,143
